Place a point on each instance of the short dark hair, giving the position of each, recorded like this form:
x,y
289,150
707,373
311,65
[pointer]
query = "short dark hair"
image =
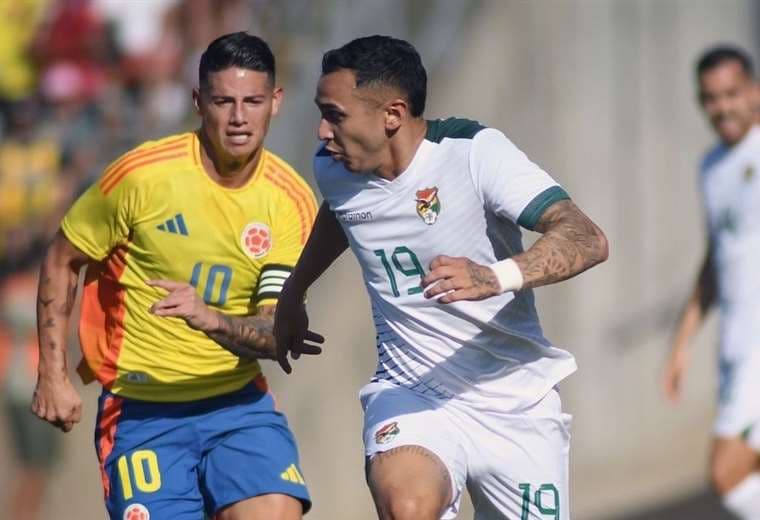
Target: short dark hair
x,y
383,61
238,49
721,54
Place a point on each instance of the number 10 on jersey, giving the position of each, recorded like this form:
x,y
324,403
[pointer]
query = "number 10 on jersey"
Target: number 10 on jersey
x,y
404,261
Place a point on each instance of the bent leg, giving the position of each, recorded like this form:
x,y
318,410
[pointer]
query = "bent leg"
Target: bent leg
x,y
731,461
409,483
263,507
519,463
416,462
734,462
735,472
250,467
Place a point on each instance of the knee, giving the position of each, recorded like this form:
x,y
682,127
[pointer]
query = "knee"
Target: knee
x,y
409,507
725,475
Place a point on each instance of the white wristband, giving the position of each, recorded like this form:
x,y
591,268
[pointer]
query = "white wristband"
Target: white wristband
x,y
509,275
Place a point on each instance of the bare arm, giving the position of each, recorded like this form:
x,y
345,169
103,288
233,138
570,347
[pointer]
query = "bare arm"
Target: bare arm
x,y
248,337
698,305
255,337
326,243
55,399
570,244
693,315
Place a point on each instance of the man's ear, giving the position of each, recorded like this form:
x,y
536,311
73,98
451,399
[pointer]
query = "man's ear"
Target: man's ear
x,y
197,100
396,112
277,96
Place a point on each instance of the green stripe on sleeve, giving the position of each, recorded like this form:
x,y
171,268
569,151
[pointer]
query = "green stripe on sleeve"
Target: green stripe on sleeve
x,y
540,203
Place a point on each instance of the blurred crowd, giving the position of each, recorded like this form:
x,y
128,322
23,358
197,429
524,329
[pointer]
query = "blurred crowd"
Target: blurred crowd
x,y
81,81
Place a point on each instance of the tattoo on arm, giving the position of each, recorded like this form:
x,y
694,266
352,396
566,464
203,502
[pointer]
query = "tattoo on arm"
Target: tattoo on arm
x,y
55,301
571,243
249,337
483,277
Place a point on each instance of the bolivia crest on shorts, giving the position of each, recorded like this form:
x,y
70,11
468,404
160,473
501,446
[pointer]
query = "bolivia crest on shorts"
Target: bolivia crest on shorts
x,y
387,432
256,240
136,512
428,205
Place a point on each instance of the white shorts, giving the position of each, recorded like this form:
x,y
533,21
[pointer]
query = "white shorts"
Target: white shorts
x,y
739,401
515,465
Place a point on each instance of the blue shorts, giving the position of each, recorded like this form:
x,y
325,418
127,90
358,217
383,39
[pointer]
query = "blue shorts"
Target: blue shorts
x,y
186,460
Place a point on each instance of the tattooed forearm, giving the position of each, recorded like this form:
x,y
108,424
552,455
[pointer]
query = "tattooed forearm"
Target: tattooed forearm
x,y
55,302
249,337
571,243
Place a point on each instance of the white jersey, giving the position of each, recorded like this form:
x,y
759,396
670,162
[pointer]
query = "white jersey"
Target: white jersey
x,y
464,194
730,179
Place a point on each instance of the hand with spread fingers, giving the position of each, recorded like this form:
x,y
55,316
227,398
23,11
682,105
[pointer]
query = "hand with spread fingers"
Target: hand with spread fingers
x,y
291,329
459,278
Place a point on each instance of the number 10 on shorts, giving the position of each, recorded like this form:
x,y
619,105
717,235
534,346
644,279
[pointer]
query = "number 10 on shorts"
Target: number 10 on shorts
x,y
144,469
541,496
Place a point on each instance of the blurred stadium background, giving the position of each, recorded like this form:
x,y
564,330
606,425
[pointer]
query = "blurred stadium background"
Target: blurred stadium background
x,y
599,92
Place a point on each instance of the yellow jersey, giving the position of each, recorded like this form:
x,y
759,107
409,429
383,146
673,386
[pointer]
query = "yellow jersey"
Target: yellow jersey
x,y
156,214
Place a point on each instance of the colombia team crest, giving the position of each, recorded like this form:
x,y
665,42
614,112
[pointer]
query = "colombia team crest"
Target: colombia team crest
x,y
428,205
136,512
387,432
256,240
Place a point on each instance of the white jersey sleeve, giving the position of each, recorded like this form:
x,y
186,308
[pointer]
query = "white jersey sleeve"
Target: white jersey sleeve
x,y
509,183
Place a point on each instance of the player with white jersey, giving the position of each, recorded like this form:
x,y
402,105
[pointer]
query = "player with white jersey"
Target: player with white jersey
x,y
447,351
465,390
729,277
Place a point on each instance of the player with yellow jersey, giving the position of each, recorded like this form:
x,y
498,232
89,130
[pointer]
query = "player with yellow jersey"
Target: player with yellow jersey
x,y
187,242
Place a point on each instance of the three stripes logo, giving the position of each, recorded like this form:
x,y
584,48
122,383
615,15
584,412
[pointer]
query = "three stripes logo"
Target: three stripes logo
x,y
292,475
174,225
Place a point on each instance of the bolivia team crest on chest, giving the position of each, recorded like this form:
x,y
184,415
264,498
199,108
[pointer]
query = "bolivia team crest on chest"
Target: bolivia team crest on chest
x,y
256,240
428,205
387,432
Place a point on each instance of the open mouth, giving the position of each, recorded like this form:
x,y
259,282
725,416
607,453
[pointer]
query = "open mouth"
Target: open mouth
x,y
238,137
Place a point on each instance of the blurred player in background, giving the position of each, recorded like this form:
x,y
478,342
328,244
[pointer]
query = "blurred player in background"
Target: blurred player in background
x,y
465,389
186,242
730,182
35,191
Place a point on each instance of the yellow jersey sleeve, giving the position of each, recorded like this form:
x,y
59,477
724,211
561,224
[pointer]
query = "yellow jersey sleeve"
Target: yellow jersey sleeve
x,y
291,226
102,217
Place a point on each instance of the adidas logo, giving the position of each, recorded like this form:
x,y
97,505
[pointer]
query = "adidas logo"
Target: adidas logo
x,y
292,475
174,225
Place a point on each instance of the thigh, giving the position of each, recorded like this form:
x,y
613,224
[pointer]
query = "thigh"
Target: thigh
x,y
249,451
264,507
409,482
731,461
412,448
148,459
519,463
